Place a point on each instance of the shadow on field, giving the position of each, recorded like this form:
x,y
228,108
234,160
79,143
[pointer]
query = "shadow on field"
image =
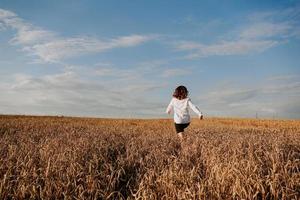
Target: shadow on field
x,y
131,162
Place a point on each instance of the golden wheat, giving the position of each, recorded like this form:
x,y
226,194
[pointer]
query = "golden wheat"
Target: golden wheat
x,y
85,158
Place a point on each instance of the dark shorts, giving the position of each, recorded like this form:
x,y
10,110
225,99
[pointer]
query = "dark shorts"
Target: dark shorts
x,y
180,127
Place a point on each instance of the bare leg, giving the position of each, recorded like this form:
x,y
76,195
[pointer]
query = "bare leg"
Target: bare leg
x,y
183,145
180,135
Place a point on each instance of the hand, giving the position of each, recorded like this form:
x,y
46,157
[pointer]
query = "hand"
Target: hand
x,y
201,117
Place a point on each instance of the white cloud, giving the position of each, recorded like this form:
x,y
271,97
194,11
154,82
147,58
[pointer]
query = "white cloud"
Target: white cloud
x,y
155,68
48,46
271,87
106,72
25,36
6,14
68,93
26,33
275,97
103,90
262,31
128,41
59,49
2,26
267,30
238,47
291,88
277,23
233,95
175,72
285,77
290,13
188,45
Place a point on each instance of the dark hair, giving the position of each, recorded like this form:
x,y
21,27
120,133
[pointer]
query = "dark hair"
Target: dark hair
x,y
180,92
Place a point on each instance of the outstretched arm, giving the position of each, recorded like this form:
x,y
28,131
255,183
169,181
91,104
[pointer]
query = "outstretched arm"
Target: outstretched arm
x,y
170,107
195,109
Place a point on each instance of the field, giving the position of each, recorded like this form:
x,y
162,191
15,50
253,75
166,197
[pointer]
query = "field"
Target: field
x,y
86,158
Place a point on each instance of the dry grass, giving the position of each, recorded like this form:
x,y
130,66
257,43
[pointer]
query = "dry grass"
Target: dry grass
x,y
80,158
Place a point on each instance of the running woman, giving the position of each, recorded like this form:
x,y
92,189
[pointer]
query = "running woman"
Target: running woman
x,y
179,105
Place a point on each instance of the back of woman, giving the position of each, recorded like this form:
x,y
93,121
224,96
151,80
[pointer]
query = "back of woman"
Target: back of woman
x,y
181,111
180,105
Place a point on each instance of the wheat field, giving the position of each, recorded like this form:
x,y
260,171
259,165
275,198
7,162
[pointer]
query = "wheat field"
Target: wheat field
x,y
90,158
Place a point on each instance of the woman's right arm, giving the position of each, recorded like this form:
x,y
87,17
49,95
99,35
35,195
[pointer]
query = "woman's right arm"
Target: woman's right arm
x,y
170,107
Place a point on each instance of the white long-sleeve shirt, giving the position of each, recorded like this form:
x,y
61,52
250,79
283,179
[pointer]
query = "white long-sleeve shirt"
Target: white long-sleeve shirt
x,y
181,111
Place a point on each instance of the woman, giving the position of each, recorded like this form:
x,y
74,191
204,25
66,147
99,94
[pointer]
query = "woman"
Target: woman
x,y
179,105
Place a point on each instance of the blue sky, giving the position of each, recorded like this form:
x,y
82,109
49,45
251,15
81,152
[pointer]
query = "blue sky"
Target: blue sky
x,y
124,58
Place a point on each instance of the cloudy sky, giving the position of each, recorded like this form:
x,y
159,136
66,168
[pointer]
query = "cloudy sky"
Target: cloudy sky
x,y
124,58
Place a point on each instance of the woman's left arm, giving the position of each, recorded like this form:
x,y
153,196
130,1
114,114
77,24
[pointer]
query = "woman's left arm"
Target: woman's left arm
x,y
194,108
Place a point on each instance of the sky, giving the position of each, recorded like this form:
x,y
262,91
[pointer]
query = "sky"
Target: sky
x,y
123,59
